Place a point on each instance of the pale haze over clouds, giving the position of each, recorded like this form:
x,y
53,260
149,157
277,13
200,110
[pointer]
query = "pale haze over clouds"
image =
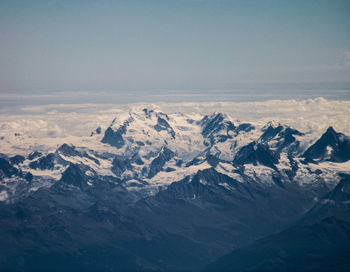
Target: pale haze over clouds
x,y
118,46
67,67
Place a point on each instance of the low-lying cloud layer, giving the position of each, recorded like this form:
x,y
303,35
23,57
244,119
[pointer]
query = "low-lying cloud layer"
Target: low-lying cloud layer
x,y
66,120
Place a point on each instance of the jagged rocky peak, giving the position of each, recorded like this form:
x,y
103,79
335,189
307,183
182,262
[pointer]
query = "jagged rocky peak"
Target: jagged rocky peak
x,y
137,126
162,124
67,150
73,175
7,170
217,128
118,127
276,130
270,130
46,162
214,123
158,162
113,138
279,137
256,153
331,146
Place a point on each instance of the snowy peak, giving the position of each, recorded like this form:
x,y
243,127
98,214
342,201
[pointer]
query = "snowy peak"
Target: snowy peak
x,y
332,146
67,150
256,153
280,137
211,123
138,126
145,149
270,132
217,128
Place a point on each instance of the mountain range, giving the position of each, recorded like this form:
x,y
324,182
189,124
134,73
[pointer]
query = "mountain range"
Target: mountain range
x,y
158,191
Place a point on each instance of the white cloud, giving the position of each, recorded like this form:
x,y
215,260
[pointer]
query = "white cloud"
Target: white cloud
x,y
53,124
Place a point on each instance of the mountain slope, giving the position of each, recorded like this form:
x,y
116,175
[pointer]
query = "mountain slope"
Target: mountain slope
x,y
157,191
332,146
322,246
319,242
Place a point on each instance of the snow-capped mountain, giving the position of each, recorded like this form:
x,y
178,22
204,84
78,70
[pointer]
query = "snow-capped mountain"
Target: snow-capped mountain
x,y
143,149
164,181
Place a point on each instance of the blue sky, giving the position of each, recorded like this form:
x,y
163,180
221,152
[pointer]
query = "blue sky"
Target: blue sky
x,y
50,46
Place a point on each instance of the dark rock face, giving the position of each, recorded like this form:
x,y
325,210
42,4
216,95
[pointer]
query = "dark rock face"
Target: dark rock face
x,y
34,155
337,142
270,133
164,125
120,164
283,137
115,138
148,113
17,159
28,176
7,169
244,127
157,164
255,153
74,176
44,163
137,159
287,138
213,160
68,150
212,125
194,161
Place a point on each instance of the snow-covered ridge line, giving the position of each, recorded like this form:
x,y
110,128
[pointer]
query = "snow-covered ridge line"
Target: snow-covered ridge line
x,y
64,120
148,148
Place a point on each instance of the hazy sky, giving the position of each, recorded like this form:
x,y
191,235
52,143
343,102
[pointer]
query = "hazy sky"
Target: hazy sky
x,y
51,46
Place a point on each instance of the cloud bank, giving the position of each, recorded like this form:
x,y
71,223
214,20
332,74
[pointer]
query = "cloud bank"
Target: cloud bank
x,y
53,124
